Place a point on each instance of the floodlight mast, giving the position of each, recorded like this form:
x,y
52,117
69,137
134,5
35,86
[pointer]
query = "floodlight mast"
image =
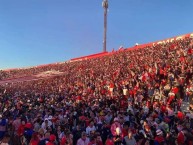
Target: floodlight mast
x,y
105,6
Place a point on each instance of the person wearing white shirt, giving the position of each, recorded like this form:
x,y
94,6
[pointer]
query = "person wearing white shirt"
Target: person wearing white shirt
x,y
46,124
90,128
84,140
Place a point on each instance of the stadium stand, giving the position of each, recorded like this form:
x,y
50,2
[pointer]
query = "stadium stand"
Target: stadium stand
x,y
130,96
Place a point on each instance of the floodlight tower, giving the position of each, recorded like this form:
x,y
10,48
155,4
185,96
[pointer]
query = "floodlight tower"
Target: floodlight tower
x,y
105,6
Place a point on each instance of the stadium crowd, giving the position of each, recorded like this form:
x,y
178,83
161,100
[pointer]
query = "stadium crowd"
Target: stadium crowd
x,y
129,97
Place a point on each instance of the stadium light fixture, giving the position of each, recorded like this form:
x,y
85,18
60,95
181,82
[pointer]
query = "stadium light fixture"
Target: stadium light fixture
x,y
105,6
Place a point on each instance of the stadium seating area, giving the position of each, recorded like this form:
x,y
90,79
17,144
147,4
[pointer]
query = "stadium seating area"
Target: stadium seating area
x,y
139,90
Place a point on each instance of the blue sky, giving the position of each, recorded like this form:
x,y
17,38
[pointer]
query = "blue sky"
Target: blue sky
x,y
36,32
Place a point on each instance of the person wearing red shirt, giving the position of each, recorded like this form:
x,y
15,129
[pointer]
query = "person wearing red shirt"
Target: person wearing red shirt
x,y
68,139
109,140
125,130
78,98
35,139
175,90
63,141
163,108
92,141
190,51
51,140
181,138
180,115
98,140
21,128
159,138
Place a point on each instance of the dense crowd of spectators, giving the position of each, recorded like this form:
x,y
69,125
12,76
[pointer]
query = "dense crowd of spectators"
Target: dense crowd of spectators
x,y
3,75
23,72
129,97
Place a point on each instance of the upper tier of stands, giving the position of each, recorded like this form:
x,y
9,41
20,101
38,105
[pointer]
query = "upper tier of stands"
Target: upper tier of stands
x,y
62,67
